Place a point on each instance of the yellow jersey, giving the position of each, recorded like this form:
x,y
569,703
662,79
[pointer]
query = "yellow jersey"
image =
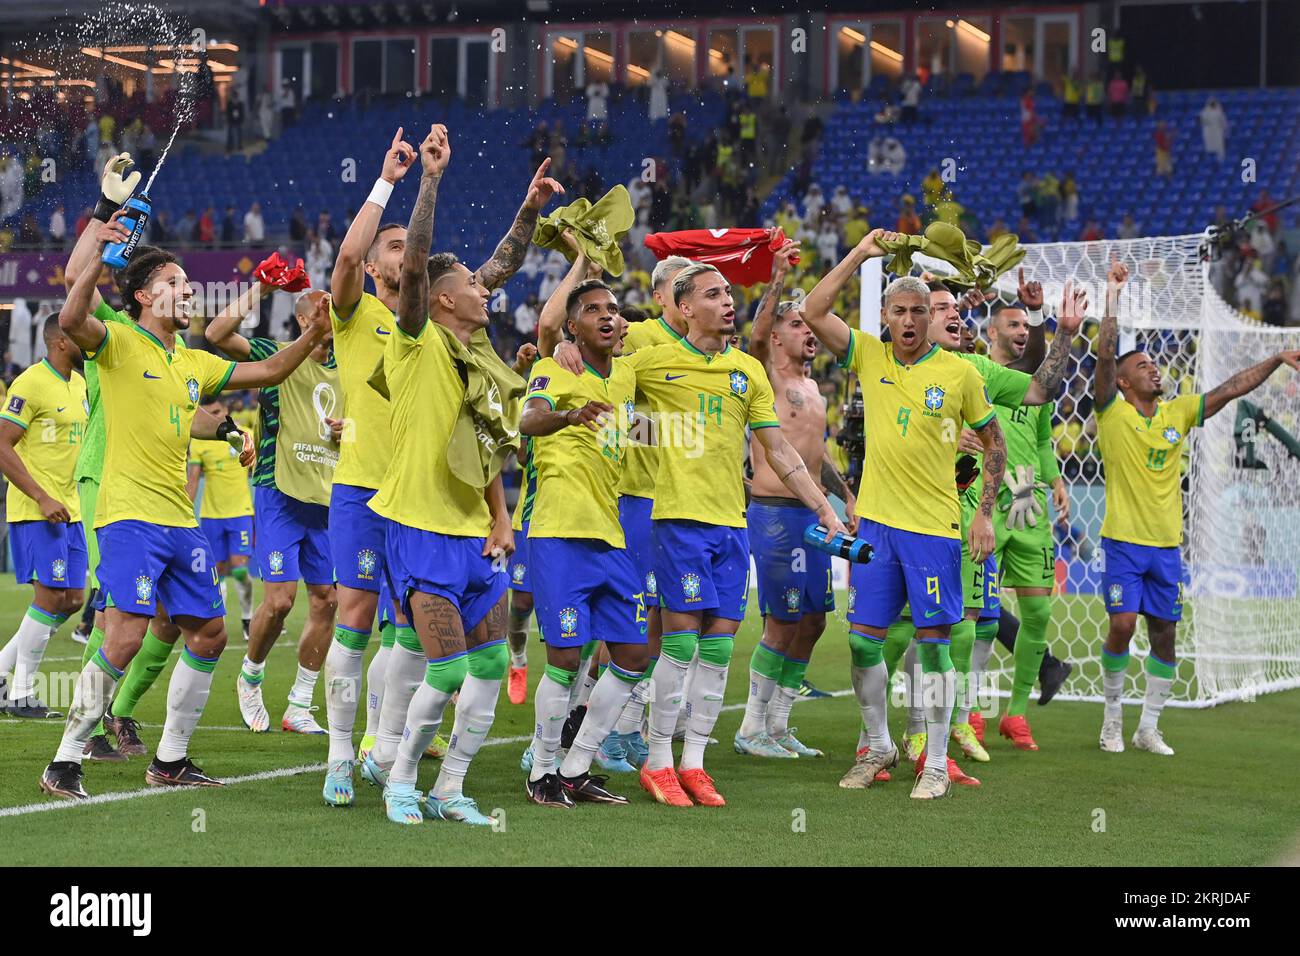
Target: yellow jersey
x,y
578,469
914,416
703,404
1142,458
360,340
226,491
149,398
425,394
52,411
642,457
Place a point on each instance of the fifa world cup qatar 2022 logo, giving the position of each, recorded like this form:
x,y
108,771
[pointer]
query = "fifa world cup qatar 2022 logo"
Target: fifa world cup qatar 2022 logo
x,y
323,400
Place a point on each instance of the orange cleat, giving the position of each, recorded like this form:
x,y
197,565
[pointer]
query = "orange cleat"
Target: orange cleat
x,y
1016,730
700,786
977,725
663,785
955,773
883,777
517,687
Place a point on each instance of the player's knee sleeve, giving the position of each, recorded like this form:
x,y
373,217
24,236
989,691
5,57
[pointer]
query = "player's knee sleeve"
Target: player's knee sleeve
x,y
766,662
405,636
1114,662
626,676
387,634
679,645
239,572
351,638
935,657
489,661
1158,668
561,676
987,629
716,649
865,651
447,674
1035,615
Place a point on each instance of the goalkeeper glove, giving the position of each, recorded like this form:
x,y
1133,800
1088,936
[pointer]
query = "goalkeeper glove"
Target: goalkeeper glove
x,y
115,187
230,432
1025,506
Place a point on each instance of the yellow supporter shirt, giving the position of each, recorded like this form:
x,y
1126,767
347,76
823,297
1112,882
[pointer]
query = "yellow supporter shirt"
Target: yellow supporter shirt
x,y
642,457
226,492
52,411
359,346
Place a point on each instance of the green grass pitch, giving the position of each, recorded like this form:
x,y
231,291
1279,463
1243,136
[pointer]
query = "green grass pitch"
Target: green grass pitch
x,y
1226,798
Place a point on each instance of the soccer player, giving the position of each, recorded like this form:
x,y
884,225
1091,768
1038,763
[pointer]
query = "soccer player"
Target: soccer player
x,y
1141,441
705,393
794,580
296,458
586,585
916,396
41,429
226,511
152,548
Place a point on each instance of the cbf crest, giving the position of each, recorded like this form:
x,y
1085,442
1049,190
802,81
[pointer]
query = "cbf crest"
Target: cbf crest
x,y
59,568
517,573
1172,435
651,585
568,622
367,560
934,397
275,561
739,382
1116,595
691,586
144,589
792,599
192,386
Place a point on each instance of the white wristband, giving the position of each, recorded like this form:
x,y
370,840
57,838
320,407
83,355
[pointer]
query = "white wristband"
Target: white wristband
x,y
380,192
1034,316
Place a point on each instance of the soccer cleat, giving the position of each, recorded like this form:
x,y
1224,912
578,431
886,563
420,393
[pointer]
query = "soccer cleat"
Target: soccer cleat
x,y
977,725
612,757
517,685
1051,682
788,741
178,773
251,709
806,689
80,635
1152,740
914,746
1112,736
526,759
298,720
366,745
437,748
1016,730
458,809
547,792
955,773
127,732
4,692
63,779
588,788
699,787
572,724
761,745
98,748
30,708
635,747
338,784
867,766
931,785
663,785
964,734
402,804
246,623
373,774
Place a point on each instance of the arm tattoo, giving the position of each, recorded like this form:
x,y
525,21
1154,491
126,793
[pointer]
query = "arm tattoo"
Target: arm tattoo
x,y
413,294
995,463
833,481
510,251
764,316
1247,380
1052,371
1104,374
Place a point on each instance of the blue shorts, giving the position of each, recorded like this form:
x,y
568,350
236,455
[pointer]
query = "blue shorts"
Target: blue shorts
x,y
53,553
907,567
519,563
638,533
228,536
586,591
143,563
1142,578
357,538
446,565
794,578
702,567
292,541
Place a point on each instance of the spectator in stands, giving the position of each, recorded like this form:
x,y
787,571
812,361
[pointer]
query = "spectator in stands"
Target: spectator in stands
x,y
885,154
909,223
29,233
931,187
107,132
228,227
1069,200
1071,96
205,233
1025,230
999,228
756,80
1128,229
828,244
557,149
778,140
552,274
58,227
234,121
160,231
1030,124
1048,200
90,139
841,204
909,92
320,256
788,219
748,133
146,143
325,228
597,102
856,226
659,95
1093,94
638,190
265,114
813,203
298,226
1274,308
1117,94
813,127
526,317
1214,129
533,260
1164,140
287,104
1138,90
106,152
1091,232
187,229
1027,195
254,225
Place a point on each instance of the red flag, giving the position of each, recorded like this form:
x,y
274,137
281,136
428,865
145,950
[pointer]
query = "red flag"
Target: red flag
x,y
743,256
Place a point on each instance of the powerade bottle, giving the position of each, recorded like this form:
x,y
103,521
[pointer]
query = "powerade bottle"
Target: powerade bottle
x,y
842,545
118,254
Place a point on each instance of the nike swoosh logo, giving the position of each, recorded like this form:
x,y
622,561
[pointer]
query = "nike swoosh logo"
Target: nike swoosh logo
x,y
673,378
381,331
147,375
885,381
61,408
930,614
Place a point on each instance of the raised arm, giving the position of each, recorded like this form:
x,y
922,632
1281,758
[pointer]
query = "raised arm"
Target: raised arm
x,y
348,279
510,251
981,540
114,189
760,345
223,331
789,467
550,325
1247,380
278,367
12,467
1031,297
413,293
1047,377
1103,386
831,330
75,317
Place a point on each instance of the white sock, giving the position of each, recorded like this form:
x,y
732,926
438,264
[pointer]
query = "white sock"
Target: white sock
x,y
375,677
583,686
915,709
9,655
634,710
778,712
423,719
702,708
342,682
940,692
244,590
607,701
406,669
550,703
686,694
476,708
1153,702
252,668
761,690
873,702
979,661
1112,686
519,658
857,677
186,695
89,704
29,641
304,687
666,684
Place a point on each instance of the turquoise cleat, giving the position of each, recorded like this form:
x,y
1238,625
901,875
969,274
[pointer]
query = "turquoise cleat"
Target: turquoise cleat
x,y
526,760
402,804
762,745
796,746
461,809
612,757
637,750
374,774
338,784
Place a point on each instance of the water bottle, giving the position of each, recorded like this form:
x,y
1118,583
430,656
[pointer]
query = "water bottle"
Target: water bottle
x,y
118,254
842,545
